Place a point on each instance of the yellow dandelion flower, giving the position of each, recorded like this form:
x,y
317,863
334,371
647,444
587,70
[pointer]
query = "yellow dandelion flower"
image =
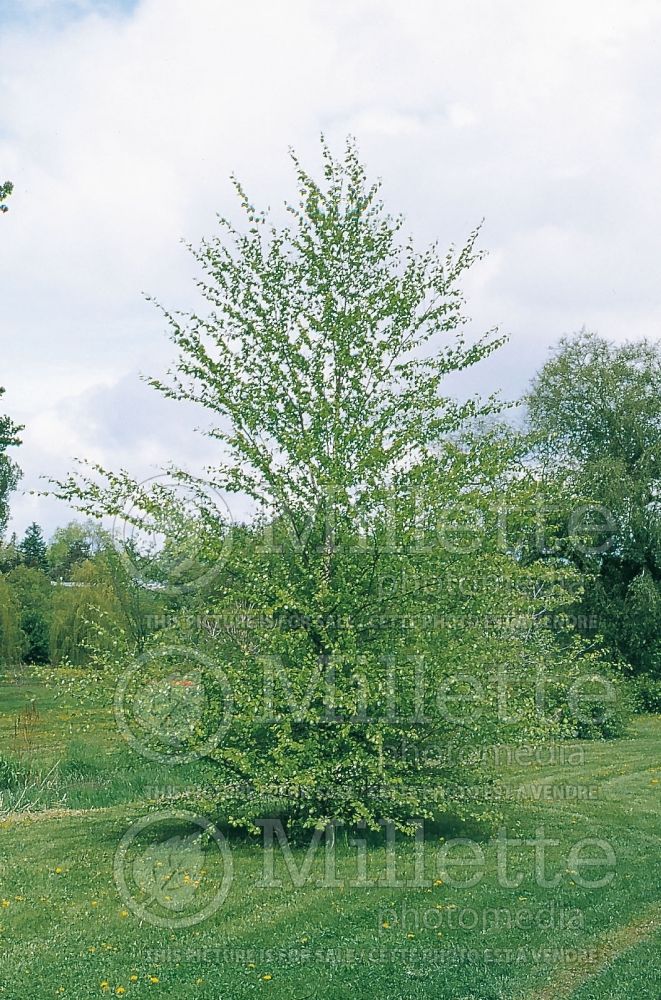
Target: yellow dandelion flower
x,y
154,979
58,871
267,977
133,979
123,914
385,924
120,990
5,903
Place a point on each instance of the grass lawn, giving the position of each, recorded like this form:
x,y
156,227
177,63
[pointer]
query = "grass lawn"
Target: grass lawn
x,y
67,930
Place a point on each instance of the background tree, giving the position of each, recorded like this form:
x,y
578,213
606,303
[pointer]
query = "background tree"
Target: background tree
x,y
9,471
5,190
9,554
102,615
12,638
595,412
32,590
32,548
86,618
71,545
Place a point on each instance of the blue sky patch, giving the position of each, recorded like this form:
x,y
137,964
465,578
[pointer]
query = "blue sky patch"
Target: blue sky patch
x,y
54,12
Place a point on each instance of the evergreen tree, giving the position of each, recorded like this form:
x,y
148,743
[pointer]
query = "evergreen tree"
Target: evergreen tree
x,y
33,548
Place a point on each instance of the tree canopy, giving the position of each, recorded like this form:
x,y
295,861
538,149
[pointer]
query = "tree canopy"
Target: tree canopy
x,y
595,412
9,470
371,557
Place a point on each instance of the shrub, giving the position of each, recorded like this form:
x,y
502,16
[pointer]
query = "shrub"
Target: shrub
x,y
646,694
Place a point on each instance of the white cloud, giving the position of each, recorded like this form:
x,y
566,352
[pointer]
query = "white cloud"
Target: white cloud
x,y
120,128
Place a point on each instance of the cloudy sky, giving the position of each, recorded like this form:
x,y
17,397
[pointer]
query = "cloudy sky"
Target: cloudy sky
x,y
121,120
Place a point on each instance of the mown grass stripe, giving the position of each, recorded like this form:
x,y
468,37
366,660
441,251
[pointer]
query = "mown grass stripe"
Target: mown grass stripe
x,y
608,947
